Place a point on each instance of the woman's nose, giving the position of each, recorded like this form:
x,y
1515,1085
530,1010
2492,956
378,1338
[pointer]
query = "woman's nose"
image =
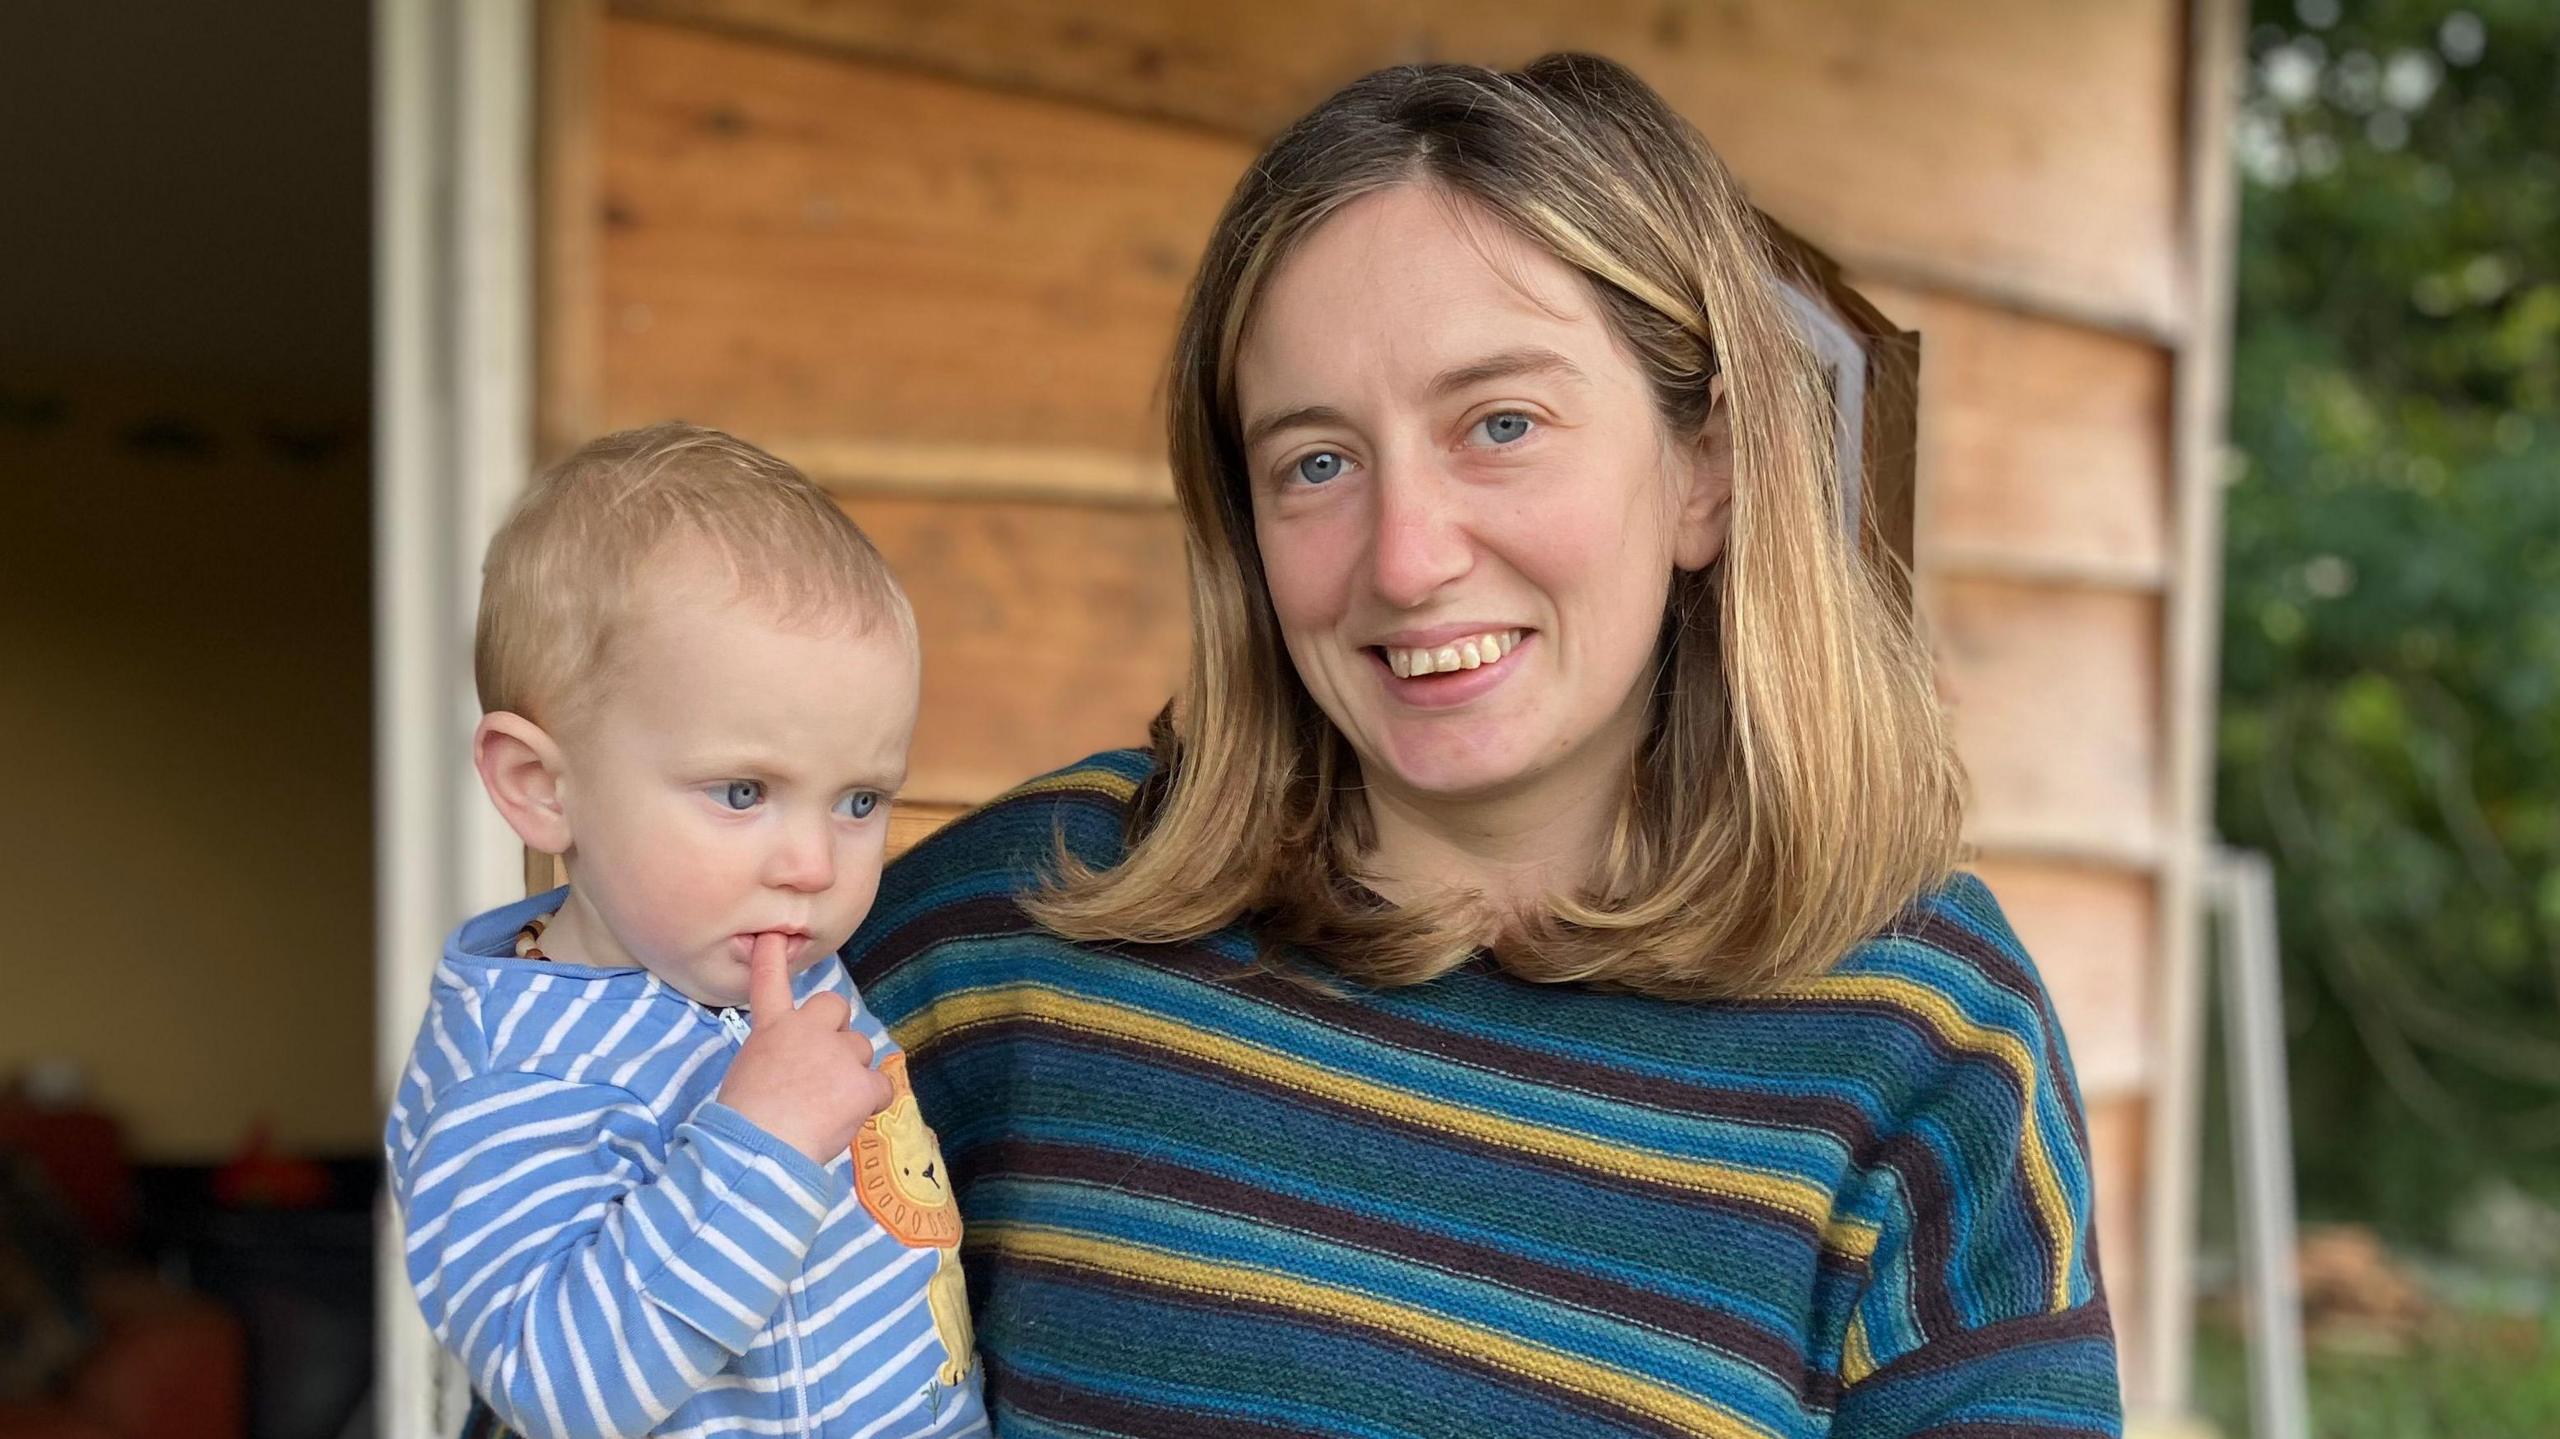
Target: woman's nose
x,y
1421,542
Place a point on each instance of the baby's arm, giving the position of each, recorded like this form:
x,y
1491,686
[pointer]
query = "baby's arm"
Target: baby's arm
x,y
585,1297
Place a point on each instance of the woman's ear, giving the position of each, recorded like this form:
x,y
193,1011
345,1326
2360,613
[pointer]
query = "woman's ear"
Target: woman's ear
x,y
1706,488
520,767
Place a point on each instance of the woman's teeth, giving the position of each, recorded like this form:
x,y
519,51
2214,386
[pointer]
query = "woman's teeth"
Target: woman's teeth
x,y
1466,654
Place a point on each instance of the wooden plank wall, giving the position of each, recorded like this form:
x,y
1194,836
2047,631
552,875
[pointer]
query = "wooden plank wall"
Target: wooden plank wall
x,y
934,253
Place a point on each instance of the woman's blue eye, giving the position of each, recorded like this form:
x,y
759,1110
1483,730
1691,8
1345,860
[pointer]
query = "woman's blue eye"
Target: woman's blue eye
x,y
739,794
1319,467
859,804
1503,428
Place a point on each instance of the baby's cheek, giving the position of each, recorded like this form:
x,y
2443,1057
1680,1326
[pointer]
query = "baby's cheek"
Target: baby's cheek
x,y
688,889
857,889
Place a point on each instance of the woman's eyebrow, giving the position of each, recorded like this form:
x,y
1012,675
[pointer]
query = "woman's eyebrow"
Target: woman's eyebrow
x,y
1269,425
1508,364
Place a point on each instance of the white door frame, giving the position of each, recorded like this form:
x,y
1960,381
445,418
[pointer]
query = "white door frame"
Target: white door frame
x,y
453,404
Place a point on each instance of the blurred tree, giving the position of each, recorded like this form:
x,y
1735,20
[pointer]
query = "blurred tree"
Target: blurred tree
x,y
2390,725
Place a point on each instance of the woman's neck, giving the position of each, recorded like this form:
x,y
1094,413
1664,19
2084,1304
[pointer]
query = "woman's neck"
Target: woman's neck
x,y
1515,846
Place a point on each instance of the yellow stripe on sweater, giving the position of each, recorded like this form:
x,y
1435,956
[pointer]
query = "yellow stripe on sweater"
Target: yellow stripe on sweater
x,y
1214,1279
1857,1360
953,1013
1957,1029
1118,786
1853,1237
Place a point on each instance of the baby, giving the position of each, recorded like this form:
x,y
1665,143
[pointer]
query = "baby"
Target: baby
x,y
652,1179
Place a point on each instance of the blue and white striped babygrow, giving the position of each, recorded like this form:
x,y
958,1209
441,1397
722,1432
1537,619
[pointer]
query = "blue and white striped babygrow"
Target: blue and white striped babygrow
x,y
611,1251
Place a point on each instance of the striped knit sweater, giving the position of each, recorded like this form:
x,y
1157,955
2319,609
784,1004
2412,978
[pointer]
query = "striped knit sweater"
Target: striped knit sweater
x,y
1204,1201
612,1251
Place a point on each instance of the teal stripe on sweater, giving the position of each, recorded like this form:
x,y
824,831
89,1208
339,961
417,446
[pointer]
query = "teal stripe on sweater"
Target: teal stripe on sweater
x,y
1184,1240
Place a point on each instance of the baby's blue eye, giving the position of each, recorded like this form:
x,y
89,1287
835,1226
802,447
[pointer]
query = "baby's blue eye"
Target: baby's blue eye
x,y
738,794
859,804
1503,428
1319,467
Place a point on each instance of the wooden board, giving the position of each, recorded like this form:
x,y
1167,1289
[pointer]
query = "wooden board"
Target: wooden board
x,y
934,254
568,341
2117,1143
1050,632
911,820
1054,630
2044,445
2092,930
870,265
2056,693
2215,65
2018,148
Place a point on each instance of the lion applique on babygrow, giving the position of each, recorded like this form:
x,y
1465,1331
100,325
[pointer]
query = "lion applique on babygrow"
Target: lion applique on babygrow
x,y
899,1176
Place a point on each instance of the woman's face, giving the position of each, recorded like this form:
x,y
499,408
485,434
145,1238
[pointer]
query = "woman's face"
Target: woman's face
x,y
1467,506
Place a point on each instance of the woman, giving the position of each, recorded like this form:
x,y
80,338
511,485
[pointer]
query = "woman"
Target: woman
x,y
1522,991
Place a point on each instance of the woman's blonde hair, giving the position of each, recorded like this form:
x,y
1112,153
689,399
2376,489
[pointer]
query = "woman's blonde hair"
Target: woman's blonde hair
x,y
1797,787
562,574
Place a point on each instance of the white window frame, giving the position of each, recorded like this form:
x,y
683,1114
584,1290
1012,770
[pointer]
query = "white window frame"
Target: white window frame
x,y
453,407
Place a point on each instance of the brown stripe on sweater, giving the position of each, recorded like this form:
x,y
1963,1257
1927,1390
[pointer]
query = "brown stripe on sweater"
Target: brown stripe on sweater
x,y
1598,1407
1057,1403
1772,1353
1052,1036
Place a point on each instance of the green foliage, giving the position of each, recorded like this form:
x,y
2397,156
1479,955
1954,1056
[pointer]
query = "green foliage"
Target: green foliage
x,y
2469,1376
2390,725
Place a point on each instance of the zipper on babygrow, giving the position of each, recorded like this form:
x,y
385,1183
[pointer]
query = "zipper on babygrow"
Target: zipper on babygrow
x,y
735,1025
791,1298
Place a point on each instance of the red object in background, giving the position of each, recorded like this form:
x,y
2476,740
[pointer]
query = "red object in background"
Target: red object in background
x,y
167,1364
260,1177
80,1151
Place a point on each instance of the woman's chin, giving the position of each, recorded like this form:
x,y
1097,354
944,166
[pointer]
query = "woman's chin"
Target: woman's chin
x,y
1443,766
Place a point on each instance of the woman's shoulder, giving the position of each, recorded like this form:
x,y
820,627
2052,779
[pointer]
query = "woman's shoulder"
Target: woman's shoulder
x,y
1952,1029
1951,962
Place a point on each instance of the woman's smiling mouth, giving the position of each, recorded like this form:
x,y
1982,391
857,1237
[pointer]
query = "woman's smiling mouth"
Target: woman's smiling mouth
x,y
1465,653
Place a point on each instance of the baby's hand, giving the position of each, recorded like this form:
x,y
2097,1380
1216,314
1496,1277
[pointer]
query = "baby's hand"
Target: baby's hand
x,y
802,1076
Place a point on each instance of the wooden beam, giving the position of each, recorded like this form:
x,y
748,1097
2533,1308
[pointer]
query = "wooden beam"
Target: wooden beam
x,y
1995,562
2092,930
2044,449
568,270
820,253
2118,1158
1050,632
910,821
2209,235
1037,473
2016,148
2056,698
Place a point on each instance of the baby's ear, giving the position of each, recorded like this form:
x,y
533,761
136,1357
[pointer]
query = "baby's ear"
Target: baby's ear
x,y
520,766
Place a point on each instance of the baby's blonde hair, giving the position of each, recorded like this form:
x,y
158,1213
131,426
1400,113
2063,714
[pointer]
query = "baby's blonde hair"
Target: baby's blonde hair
x,y
563,572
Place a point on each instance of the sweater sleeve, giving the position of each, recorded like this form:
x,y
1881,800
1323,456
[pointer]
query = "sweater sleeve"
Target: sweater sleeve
x,y
1983,1310
589,1283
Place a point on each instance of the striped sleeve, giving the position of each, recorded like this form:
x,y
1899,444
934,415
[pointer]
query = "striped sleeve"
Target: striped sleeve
x,y
588,1282
1983,1311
